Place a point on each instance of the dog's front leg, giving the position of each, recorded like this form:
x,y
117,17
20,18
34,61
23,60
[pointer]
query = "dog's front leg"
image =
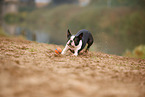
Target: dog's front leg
x,y
76,53
65,49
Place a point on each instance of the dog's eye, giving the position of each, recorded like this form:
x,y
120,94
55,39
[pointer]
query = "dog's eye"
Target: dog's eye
x,y
76,40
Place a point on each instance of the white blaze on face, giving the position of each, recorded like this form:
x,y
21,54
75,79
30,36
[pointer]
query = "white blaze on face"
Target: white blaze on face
x,y
71,39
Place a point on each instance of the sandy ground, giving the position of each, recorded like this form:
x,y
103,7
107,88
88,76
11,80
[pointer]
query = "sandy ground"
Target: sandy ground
x,y
30,69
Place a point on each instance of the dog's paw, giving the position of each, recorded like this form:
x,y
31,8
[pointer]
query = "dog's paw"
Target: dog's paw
x,y
75,55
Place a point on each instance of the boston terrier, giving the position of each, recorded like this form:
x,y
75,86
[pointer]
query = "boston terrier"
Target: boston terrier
x,y
76,43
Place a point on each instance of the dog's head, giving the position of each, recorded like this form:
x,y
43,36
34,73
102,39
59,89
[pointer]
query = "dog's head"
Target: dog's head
x,y
73,40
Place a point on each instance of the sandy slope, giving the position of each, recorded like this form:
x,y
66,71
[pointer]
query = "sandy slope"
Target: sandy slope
x,y
30,69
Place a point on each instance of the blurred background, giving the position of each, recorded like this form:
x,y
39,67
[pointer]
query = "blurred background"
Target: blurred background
x,y
118,26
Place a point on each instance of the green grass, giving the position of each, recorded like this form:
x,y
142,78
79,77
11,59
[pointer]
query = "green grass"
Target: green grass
x,y
2,33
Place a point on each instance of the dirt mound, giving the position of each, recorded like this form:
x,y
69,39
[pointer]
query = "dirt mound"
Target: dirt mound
x,y
30,69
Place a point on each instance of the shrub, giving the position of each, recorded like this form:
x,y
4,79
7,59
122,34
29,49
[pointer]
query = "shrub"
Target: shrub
x,y
12,18
138,52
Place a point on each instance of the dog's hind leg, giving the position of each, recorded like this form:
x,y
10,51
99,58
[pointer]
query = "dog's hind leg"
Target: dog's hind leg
x,y
90,42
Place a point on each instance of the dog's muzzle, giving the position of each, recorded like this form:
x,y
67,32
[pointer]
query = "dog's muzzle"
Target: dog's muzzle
x,y
69,44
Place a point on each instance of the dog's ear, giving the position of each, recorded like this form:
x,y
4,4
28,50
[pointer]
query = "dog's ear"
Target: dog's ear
x,y
68,34
80,36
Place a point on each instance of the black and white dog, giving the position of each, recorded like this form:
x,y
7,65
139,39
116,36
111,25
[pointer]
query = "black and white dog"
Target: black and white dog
x,y
77,42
